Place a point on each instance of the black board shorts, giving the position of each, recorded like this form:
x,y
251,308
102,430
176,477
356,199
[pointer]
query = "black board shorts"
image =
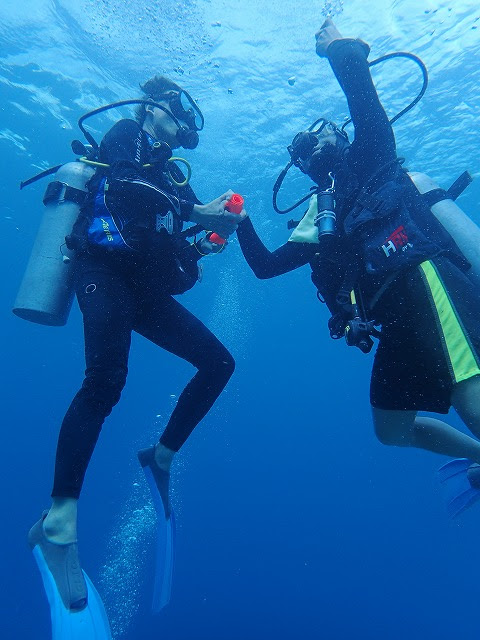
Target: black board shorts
x,y
430,338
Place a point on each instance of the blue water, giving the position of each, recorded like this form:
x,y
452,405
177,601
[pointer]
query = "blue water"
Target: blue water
x,y
293,521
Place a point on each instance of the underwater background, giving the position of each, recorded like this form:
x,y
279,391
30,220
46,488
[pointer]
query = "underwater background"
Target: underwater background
x,y
293,521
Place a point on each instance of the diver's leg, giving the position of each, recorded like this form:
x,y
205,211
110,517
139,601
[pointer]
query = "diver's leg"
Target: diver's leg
x,y
108,310
405,429
466,401
169,325
394,427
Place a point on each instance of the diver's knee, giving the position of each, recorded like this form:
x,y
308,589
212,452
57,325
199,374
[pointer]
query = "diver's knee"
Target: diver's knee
x,y
219,361
390,435
229,365
105,387
225,365
394,427
385,436
465,399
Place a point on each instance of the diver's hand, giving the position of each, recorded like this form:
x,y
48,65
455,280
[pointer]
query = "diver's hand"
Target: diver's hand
x,y
214,217
327,34
206,247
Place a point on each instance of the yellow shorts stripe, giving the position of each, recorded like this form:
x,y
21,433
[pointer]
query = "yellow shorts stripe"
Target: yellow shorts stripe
x,y
463,363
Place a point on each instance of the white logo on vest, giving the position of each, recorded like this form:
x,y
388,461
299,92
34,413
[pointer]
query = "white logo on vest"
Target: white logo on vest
x,y
164,222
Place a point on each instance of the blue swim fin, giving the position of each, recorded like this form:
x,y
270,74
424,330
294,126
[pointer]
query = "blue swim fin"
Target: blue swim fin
x,y
459,492
164,563
90,623
158,481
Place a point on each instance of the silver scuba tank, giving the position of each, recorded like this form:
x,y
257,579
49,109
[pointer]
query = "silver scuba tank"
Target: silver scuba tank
x,y
46,293
456,222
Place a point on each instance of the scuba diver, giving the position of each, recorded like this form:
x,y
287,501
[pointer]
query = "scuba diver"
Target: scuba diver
x,y
380,258
131,257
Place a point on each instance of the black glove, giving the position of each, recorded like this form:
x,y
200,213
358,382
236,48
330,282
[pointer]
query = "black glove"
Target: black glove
x,y
336,325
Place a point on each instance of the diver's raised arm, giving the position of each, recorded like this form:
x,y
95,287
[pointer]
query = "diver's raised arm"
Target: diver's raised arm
x,y
324,37
348,59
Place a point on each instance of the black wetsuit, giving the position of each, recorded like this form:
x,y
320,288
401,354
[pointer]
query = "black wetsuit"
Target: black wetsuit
x,y
371,162
123,290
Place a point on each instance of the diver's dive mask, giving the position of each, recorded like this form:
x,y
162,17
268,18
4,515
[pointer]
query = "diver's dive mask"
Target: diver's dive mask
x,y
316,160
302,150
182,107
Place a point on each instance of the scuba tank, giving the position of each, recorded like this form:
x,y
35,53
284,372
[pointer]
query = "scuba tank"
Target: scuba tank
x,y
456,222
46,292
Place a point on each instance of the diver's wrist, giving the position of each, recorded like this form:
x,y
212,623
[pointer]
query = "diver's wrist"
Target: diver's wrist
x,y
196,213
186,209
339,43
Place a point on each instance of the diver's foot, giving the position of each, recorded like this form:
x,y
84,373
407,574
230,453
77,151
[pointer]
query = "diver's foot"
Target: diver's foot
x,y
60,523
64,565
159,472
460,479
163,456
473,475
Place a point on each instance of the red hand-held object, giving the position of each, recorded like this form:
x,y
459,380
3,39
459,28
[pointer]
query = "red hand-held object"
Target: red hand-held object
x,y
234,205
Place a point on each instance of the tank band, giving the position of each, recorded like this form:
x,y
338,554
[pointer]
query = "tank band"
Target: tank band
x,y
435,195
61,191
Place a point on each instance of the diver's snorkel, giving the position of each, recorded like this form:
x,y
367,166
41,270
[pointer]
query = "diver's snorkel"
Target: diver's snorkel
x,y
305,139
